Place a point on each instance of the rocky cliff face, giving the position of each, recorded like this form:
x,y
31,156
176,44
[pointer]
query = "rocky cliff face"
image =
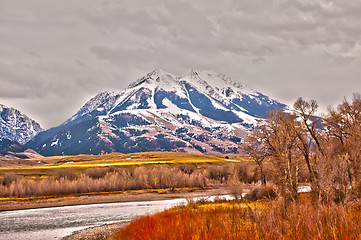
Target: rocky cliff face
x,y
199,112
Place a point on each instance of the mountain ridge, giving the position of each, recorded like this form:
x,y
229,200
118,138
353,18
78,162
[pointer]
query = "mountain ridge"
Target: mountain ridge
x,y
198,112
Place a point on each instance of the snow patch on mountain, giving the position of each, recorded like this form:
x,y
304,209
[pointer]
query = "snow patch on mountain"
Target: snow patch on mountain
x,y
170,106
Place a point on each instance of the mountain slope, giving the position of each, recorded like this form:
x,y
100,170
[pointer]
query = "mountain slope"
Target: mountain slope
x,y
198,112
17,126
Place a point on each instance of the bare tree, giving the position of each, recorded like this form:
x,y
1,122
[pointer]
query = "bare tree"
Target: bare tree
x,y
280,140
310,122
309,131
344,125
330,148
254,146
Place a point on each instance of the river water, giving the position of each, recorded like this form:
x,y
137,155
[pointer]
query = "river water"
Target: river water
x,y
58,222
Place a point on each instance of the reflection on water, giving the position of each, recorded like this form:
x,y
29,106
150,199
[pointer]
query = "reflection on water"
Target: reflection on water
x,y
58,222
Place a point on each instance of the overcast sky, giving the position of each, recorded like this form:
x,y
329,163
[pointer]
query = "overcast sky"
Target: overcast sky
x,y
56,55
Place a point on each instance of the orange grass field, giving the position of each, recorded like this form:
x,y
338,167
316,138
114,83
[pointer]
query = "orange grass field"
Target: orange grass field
x,y
268,220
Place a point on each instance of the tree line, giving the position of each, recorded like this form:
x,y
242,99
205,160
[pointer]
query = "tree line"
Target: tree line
x,y
327,148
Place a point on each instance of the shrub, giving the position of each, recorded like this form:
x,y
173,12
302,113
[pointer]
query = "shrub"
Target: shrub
x,y
219,173
9,178
67,173
247,173
261,192
188,168
96,172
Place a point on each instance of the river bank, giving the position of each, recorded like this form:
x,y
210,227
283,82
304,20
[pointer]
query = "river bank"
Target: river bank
x,y
96,233
135,196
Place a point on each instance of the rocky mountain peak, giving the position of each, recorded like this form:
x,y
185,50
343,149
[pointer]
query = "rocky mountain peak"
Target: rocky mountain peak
x,y
100,104
99,100
156,79
16,126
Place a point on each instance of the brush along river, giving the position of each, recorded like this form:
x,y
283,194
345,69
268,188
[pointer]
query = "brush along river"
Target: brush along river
x,y
59,222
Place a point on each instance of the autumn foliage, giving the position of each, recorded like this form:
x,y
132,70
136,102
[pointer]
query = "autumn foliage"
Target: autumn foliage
x,y
290,149
271,220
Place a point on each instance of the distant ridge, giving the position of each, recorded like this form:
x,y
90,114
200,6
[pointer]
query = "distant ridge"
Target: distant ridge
x,y
14,150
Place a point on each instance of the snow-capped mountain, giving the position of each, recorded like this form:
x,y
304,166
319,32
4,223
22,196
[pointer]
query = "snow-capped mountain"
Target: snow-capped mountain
x,y
17,126
198,112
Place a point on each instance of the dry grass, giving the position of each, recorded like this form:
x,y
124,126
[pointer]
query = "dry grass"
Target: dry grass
x,y
273,220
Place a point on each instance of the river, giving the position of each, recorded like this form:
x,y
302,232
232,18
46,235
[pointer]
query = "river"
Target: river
x,y
58,222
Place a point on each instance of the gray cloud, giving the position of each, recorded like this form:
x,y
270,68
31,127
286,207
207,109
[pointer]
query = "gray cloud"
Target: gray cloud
x,y
55,55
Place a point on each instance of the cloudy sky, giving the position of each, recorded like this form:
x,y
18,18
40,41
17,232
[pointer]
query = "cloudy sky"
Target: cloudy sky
x,y
56,55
